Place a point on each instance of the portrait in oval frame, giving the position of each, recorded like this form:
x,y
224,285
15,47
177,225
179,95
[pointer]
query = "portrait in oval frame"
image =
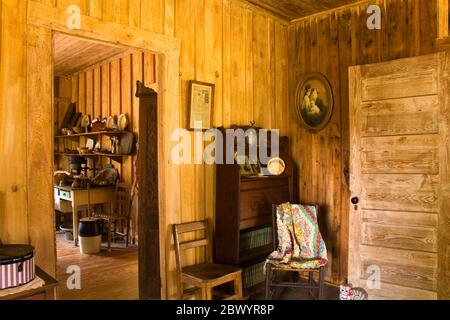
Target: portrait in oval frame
x,y
314,101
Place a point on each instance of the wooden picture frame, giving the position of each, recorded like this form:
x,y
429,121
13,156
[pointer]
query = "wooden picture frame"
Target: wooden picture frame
x,y
314,101
201,105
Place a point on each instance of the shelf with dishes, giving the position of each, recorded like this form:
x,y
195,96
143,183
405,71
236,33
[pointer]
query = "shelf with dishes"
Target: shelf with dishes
x,y
77,124
91,134
101,137
115,157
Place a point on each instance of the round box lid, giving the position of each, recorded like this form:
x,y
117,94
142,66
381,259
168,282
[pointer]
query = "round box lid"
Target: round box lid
x,y
15,251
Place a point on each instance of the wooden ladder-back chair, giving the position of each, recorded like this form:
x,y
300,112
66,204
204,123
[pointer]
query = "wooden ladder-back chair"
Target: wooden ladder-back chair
x,y
203,276
273,271
120,211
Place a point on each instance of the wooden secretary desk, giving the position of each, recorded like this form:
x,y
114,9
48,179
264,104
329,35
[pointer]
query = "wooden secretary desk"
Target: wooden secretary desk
x,y
243,232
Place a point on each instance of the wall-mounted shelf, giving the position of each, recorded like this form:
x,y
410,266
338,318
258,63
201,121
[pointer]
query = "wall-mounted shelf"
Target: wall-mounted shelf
x,y
90,134
115,157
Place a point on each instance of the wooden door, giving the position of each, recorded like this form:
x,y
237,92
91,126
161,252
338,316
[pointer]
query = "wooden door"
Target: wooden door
x,y
399,118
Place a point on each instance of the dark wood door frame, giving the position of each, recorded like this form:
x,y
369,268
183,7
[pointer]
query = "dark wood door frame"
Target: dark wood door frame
x,y
148,205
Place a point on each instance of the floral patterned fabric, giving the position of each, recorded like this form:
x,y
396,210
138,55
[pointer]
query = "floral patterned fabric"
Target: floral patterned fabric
x,y
300,243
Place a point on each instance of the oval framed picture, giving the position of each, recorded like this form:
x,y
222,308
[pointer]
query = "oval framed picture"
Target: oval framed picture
x,y
314,101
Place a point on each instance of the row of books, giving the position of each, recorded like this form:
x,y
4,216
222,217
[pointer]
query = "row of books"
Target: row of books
x,y
255,238
253,275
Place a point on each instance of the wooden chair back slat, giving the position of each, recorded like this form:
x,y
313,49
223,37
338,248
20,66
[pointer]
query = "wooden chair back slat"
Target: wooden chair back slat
x,y
122,200
191,227
205,241
201,281
193,244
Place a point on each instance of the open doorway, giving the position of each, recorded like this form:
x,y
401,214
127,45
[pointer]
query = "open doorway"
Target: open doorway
x,y
95,111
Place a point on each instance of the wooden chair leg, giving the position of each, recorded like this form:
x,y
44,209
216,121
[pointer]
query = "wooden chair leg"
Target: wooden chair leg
x,y
310,282
321,283
206,293
180,290
268,281
128,233
114,231
238,287
109,235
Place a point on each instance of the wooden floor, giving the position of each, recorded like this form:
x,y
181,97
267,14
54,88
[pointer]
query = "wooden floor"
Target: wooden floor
x,y
104,276
114,276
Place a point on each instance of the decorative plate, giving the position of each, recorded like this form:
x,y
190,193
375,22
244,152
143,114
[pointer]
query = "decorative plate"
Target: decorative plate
x,y
110,123
123,121
85,121
276,166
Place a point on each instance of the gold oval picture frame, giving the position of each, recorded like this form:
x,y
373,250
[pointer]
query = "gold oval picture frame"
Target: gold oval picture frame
x,y
314,101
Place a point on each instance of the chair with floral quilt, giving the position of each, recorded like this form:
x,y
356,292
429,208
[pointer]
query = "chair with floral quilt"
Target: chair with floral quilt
x,y
298,249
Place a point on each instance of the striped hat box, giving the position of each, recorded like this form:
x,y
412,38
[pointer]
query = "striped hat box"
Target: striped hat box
x,y
16,265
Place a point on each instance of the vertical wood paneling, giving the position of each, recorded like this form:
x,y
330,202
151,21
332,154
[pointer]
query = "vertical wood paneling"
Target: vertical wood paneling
x,y
90,92
226,64
13,189
115,87
281,80
248,44
97,92
125,97
64,4
105,92
136,75
213,74
261,71
152,15
169,17
185,30
111,10
124,12
213,50
39,81
134,13
330,43
218,39
96,8
149,68
199,169
82,93
237,65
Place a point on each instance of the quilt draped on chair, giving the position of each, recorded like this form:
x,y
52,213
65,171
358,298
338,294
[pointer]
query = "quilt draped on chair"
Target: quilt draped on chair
x,y
300,243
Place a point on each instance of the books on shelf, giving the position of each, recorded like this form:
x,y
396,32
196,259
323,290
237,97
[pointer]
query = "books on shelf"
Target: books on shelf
x,y
255,238
253,275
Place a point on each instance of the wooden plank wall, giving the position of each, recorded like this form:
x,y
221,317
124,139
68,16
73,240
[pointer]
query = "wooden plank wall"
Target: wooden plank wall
x,y
244,53
108,89
330,43
13,189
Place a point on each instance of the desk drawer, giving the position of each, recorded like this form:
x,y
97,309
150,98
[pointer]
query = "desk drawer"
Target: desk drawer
x,y
64,194
63,206
258,202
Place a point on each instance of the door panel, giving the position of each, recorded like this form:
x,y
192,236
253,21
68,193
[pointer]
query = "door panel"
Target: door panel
x,y
390,87
399,173
400,116
399,237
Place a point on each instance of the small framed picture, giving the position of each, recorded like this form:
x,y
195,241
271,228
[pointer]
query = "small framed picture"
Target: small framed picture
x,y
201,105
